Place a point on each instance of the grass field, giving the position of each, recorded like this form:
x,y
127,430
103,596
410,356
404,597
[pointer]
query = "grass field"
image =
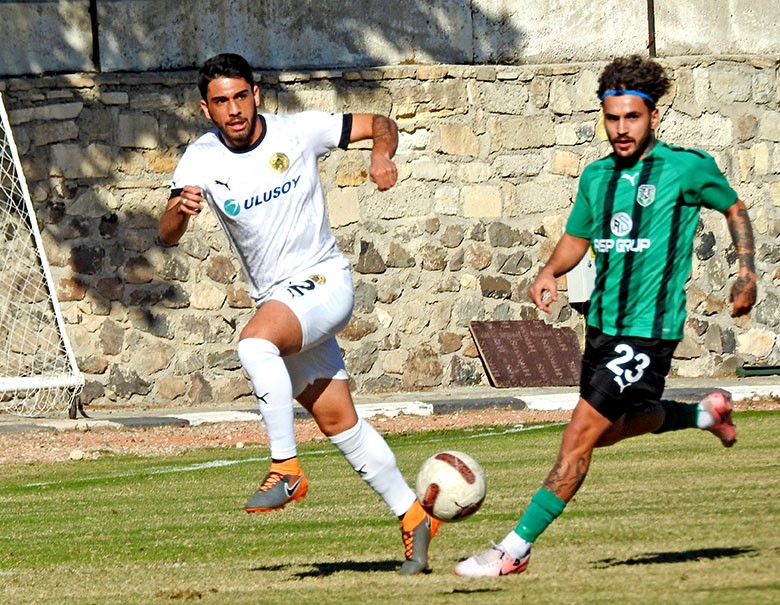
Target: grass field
x,y
661,519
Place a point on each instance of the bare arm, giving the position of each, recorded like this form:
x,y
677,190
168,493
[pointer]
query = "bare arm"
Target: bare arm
x,y
174,221
744,290
568,252
383,133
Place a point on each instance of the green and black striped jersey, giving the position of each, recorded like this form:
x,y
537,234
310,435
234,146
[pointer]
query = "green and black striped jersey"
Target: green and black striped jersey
x,y
640,222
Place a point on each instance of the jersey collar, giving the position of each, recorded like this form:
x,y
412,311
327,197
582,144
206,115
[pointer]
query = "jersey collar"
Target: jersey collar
x,y
255,145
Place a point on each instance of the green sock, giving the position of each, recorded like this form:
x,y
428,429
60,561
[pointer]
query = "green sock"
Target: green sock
x,y
544,508
678,416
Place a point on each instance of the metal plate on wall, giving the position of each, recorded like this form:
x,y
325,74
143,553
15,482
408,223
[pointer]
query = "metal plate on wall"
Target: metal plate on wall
x,y
527,353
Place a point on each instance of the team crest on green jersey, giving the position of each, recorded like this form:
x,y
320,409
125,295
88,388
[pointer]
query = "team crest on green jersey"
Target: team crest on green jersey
x,y
645,195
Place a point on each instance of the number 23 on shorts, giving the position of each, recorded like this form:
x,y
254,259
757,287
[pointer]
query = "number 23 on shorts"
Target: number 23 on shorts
x,y
629,366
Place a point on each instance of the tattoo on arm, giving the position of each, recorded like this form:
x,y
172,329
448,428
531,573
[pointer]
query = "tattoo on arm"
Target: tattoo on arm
x,y
385,134
744,284
742,236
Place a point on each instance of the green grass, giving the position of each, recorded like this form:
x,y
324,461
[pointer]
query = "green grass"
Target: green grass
x,y
661,519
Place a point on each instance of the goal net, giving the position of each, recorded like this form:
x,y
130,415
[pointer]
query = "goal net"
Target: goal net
x,y
38,372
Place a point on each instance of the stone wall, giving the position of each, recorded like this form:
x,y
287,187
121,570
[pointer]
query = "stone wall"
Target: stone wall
x,y
489,159
66,36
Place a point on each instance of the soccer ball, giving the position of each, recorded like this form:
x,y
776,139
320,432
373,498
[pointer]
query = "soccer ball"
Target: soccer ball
x,y
451,486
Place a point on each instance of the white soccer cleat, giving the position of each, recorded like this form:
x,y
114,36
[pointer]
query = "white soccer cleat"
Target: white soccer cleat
x,y
491,563
718,404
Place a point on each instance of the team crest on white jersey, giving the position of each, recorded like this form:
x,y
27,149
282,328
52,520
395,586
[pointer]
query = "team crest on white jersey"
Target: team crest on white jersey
x,y
279,162
645,195
621,224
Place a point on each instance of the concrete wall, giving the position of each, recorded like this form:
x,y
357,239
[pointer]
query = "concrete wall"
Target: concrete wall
x,y
140,35
552,31
489,160
40,37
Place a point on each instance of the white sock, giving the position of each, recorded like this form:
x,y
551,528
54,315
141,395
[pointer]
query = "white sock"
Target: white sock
x,y
375,462
515,546
271,383
704,418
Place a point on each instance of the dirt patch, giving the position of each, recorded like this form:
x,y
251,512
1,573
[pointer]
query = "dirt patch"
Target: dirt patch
x,y
54,446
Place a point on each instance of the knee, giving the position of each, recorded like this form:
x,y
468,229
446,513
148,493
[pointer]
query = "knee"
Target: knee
x,y
579,438
253,349
261,361
330,403
586,430
334,421
577,448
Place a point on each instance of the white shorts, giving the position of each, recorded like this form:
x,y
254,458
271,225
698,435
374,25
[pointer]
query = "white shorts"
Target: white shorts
x,y
322,298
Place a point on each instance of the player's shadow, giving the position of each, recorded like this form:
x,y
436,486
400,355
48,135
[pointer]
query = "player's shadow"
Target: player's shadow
x,y
319,570
700,554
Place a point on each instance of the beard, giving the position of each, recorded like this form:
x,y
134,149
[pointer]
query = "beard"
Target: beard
x,y
240,140
642,146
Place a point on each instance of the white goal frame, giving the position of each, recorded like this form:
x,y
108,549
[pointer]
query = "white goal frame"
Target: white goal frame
x,y
50,380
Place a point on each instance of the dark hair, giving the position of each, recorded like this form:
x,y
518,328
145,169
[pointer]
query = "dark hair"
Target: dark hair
x,y
634,73
226,65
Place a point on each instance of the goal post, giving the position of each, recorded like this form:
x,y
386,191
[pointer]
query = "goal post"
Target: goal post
x,y
38,371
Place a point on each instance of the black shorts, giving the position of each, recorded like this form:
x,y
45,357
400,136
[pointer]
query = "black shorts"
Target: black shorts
x,y
621,372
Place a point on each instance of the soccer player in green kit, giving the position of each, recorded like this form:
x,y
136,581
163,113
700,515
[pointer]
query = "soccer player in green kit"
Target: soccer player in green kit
x,y
638,209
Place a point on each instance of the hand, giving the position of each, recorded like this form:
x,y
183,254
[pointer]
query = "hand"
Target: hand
x,y
544,290
383,171
743,294
191,200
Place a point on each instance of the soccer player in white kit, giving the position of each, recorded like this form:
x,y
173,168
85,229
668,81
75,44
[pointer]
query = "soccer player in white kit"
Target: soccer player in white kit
x,y
258,174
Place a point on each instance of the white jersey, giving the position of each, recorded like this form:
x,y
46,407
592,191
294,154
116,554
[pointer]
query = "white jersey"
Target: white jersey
x,y
268,198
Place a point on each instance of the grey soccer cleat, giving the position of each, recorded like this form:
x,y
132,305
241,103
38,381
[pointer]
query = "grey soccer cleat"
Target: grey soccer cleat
x,y
417,530
276,491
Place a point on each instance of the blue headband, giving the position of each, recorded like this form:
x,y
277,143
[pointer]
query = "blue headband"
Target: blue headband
x,y
637,93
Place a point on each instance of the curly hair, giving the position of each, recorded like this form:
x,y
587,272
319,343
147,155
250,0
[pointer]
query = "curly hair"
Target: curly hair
x,y
634,73
225,65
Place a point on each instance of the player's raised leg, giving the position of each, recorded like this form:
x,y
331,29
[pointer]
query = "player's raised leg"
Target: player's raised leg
x,y
330,403
712,413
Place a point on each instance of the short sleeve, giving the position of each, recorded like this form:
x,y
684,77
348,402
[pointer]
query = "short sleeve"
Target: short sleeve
x,y
580,222
188,172
324,131
704,181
